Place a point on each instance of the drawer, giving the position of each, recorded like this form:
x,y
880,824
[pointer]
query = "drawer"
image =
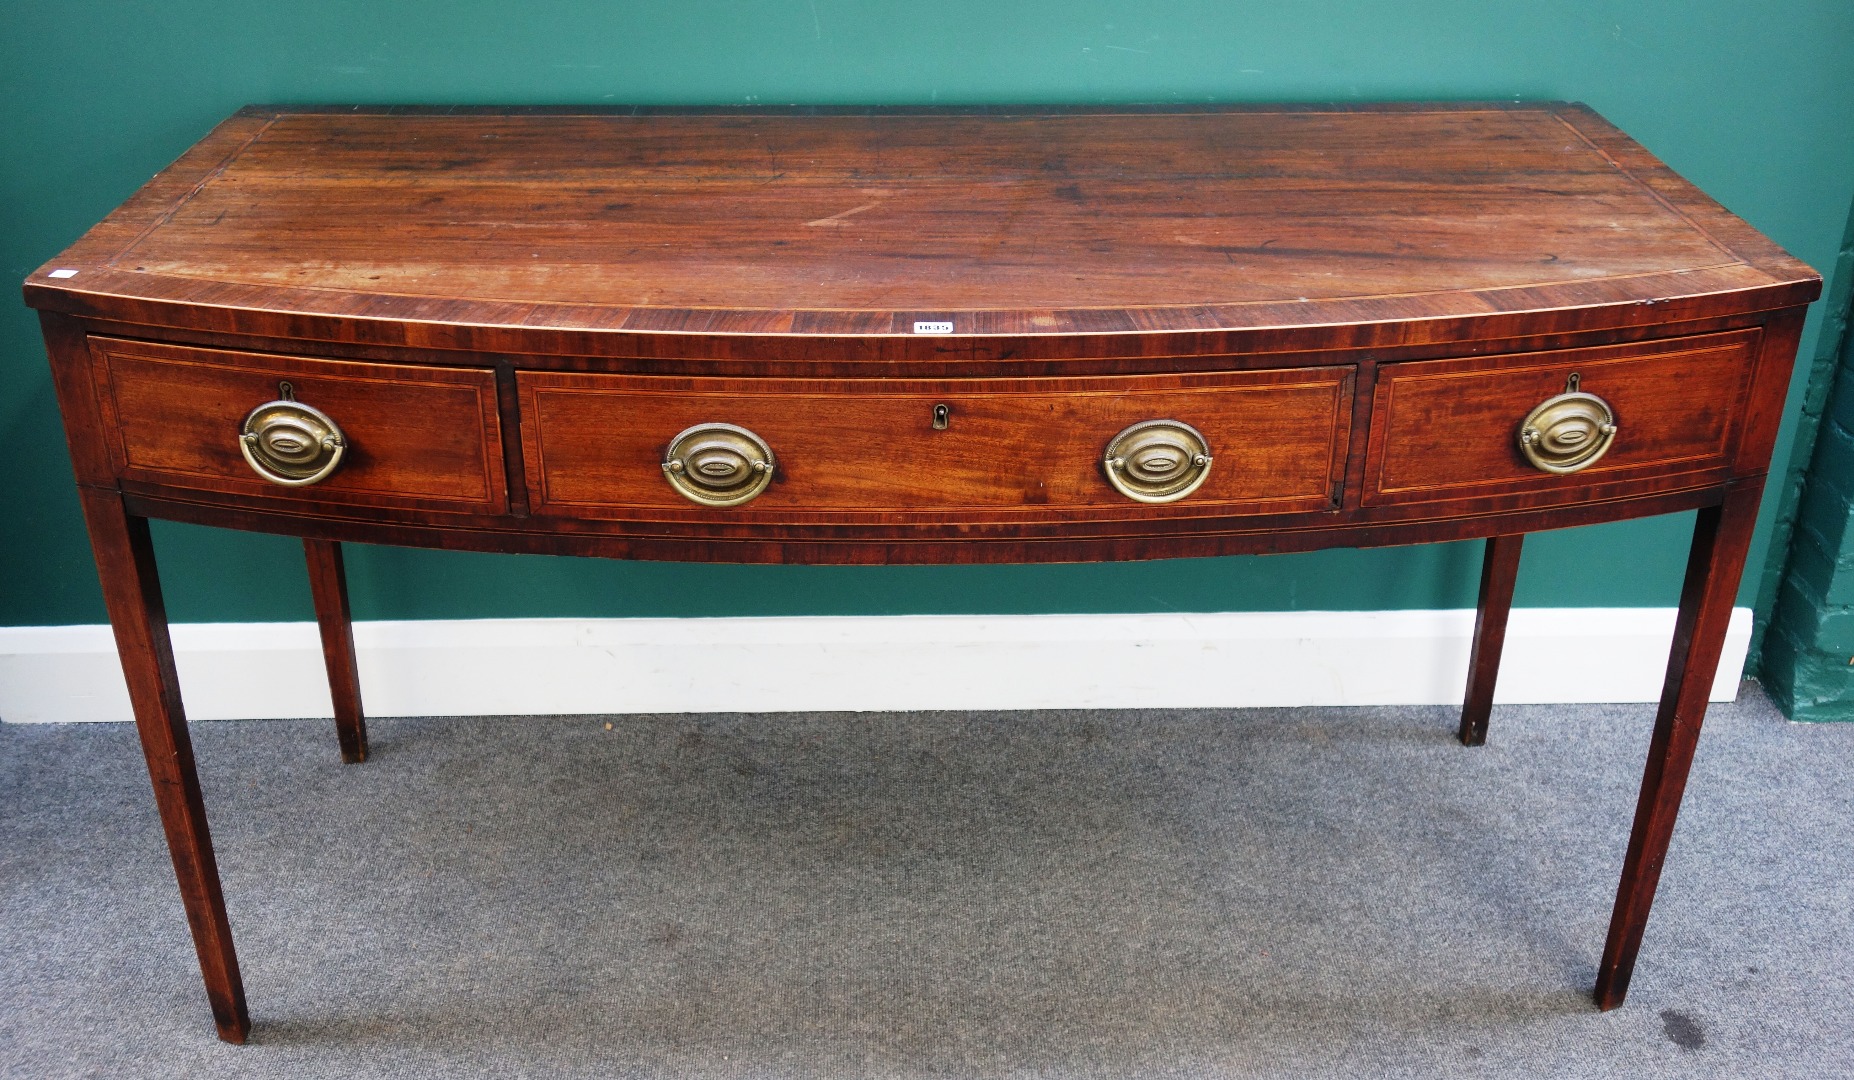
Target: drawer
x,y
411,436
854,450
1450,429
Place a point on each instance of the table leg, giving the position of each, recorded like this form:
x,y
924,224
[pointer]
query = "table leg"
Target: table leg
x,y
328,583
132,591
1499,568
1721,537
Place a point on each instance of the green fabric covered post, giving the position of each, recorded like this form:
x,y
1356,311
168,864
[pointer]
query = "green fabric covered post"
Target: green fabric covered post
x,y
1808,651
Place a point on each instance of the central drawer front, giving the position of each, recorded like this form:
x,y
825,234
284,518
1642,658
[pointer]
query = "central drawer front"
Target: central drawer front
x,y
847,450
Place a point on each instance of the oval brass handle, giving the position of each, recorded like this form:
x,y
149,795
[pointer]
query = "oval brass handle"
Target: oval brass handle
x,y
289,443
1568,432
718,464
1157,461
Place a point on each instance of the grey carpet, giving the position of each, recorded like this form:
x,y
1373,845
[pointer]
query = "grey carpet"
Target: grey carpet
x,y
1266,893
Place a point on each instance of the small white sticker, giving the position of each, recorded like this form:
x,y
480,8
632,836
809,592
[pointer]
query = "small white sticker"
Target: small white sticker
x,y
933,327
62,273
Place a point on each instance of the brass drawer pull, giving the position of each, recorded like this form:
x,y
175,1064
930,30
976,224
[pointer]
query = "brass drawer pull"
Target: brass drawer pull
x,y
289,443
718,464
1157,461
1568,432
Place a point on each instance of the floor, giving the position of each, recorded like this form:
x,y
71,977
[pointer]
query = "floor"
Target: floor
x,y
1177,893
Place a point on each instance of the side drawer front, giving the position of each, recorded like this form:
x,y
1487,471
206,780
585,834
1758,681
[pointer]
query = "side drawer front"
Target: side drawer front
x,y
1449,429
417,437
852,449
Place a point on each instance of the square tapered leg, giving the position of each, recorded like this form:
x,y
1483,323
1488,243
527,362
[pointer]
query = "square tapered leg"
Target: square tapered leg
x,y
1499,569
132,591
328,583
1721,537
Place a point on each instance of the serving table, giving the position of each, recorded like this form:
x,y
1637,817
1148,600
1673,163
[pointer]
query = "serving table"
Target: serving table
x,y
908,336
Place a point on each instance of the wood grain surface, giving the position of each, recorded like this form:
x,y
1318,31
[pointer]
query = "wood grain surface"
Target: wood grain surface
x,y
417,436
866,451
1028,223
1448,428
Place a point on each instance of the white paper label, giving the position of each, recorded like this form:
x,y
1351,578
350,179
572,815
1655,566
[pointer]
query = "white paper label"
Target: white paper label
x,y
933,327
62,273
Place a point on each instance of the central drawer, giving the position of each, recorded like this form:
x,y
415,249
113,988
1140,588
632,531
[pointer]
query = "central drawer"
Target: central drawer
x,y
596,445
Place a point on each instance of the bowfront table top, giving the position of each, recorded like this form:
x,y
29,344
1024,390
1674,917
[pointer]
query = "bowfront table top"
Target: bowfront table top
x,y
916,336
490,226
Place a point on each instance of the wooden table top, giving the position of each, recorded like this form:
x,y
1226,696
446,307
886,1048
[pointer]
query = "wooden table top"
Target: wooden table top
x,y
859,223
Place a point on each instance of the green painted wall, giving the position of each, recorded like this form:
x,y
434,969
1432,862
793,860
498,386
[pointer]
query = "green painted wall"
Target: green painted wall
x,y
1750,101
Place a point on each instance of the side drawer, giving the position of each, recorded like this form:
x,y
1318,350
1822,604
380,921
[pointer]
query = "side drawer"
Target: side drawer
x,y
859,450
1450,429
414,437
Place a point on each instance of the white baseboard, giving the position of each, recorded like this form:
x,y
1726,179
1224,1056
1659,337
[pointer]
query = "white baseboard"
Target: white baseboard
x,y
543,666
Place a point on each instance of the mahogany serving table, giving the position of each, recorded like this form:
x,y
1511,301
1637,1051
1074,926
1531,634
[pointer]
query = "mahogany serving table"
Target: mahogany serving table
x,y
905,336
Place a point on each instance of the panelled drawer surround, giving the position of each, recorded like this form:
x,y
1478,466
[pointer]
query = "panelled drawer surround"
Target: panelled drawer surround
x,y
1012,448
1448,429
418,437
854,449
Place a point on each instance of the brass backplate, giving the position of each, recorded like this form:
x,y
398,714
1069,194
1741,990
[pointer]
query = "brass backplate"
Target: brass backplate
x,y
718,464
1157,461
1568,432
291,444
